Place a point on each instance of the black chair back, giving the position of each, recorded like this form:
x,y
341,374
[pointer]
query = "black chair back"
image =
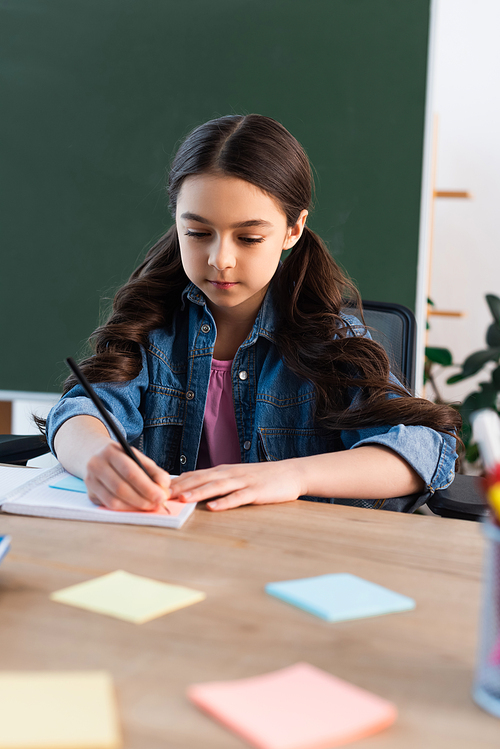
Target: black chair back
x,y
17,449
395,328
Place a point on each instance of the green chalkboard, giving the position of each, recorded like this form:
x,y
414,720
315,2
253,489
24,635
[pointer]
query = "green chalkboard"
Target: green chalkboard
x,y
96,95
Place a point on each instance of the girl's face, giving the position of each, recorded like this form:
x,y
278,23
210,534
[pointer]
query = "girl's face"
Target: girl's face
x,y
231,236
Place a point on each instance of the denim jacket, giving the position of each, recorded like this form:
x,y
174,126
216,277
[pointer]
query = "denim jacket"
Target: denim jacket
x,y
161,410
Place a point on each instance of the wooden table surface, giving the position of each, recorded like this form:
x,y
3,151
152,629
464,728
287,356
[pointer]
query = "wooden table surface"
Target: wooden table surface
x,y
422,660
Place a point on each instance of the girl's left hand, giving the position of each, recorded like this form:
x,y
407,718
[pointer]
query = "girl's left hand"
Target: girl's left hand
x,y
240,484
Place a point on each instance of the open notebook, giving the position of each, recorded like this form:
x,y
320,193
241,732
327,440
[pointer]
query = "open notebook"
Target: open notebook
x,y
38,496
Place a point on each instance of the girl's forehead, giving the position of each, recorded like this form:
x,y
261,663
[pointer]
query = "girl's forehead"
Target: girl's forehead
x,y
210,195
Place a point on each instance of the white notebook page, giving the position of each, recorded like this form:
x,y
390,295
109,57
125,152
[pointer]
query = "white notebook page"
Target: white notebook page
x,y
13,476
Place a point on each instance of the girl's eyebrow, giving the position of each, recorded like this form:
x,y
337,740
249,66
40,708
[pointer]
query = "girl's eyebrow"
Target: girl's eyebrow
x,y
251,222
242,224
194,217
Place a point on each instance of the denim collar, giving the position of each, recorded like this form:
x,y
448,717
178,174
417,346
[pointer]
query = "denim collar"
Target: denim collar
x,y
265,323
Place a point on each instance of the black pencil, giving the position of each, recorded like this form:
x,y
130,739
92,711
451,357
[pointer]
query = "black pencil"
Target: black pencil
x,y
108,421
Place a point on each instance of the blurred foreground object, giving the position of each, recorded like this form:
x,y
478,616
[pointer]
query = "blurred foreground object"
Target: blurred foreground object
x,y
486,691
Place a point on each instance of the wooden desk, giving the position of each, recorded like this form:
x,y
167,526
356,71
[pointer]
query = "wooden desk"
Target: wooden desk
x,y
422,660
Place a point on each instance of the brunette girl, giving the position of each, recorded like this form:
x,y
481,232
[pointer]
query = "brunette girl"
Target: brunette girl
x,y
238,372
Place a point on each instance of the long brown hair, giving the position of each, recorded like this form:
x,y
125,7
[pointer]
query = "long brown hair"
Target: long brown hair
x,y
310,289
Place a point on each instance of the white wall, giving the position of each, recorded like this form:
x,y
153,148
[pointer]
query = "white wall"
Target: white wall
x,y
466,252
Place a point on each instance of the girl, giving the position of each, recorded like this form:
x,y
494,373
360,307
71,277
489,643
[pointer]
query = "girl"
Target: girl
x,y
240,373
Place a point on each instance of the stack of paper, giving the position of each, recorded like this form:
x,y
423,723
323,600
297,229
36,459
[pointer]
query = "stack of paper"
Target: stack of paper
x,y
13,476
54,493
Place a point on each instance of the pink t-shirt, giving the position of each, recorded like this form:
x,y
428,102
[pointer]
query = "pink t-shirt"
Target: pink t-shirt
x,y
219,439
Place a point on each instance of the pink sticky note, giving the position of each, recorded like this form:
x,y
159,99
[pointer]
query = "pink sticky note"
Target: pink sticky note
x,y
299,707
174,508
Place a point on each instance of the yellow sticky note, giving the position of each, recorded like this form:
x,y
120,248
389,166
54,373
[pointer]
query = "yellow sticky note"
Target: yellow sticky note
x,y
131,597
58,710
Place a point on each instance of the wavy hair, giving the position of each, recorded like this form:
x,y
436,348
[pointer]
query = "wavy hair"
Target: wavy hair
x,y
310,289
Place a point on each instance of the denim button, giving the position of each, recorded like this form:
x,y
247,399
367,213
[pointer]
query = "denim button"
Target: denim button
x,y
183,460
243,375
190,395
247,445
205,328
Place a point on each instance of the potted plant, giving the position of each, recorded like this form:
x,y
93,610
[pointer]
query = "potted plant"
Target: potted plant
x,y
488,393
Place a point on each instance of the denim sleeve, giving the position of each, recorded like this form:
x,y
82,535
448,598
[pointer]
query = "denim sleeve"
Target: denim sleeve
x,y
431,454
121,399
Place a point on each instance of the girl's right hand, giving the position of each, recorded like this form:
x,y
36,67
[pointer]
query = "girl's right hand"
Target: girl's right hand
x,y
114,481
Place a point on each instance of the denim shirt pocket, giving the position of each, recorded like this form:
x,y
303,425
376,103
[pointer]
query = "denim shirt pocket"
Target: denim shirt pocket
x,y
164,406
164,409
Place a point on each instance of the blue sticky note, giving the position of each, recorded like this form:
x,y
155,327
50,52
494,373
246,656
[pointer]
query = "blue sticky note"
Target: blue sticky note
x,y
341,596
70,484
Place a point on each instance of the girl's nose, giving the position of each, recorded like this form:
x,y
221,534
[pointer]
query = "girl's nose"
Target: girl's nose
x,y
222,256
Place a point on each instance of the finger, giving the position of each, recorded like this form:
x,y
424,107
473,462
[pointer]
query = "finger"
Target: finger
x,y
122,490
134,477
103,475
202,474
186,483
101,496
218,488
247,496
93,498
191,479
157,474
236,499
195,479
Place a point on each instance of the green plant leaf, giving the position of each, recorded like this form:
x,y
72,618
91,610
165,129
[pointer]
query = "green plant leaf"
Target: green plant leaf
x,y
488,389
493,335
466,433
439,356
495,378
470,404
484,398
474,363
429,301
494,305
471,453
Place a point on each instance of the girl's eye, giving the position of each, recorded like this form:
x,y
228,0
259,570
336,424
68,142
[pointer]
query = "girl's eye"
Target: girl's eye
x,y
196,234
252,240
203,234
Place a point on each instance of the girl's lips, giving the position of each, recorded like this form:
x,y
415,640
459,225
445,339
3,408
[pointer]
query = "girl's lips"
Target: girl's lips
x,y
223,284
